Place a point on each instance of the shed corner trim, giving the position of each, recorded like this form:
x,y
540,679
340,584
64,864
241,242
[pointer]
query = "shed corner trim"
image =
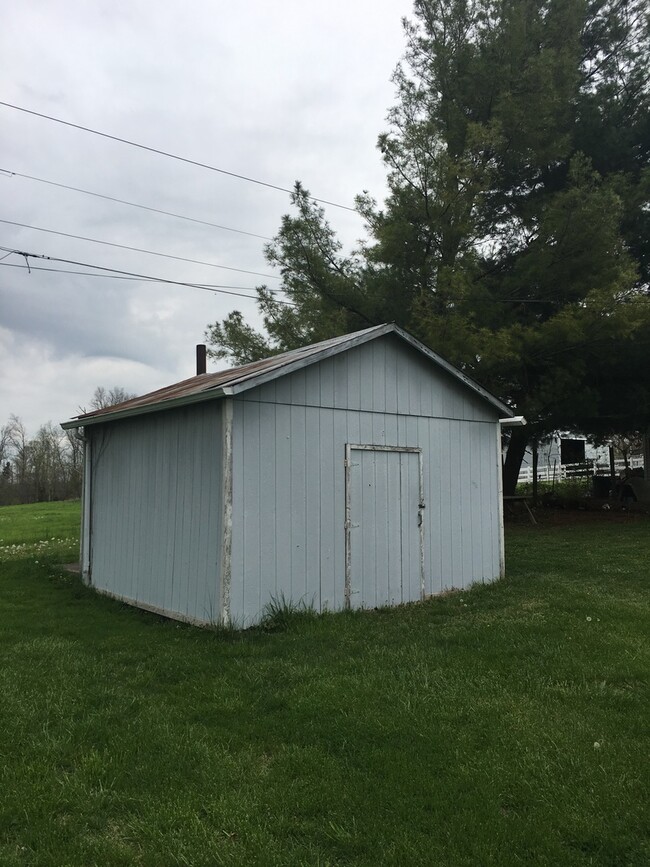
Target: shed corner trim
x,y
226,529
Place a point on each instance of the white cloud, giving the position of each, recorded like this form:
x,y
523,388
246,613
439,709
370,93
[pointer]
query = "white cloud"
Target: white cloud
x,y
277,92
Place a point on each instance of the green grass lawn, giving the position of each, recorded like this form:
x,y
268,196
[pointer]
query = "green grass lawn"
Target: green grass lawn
x,y
505,725
39,522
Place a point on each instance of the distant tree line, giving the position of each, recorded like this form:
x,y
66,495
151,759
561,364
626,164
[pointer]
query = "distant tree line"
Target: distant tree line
x,y
46,466
49,465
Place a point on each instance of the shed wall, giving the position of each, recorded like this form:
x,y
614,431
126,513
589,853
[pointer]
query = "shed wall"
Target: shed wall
x,y
156,510
289,441
385,375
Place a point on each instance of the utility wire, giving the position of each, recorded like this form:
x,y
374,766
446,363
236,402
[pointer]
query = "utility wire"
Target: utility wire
x,y
138,249
135,205
142,279
115,271
167,154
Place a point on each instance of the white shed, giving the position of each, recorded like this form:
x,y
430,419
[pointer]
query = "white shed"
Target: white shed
x,y
358,472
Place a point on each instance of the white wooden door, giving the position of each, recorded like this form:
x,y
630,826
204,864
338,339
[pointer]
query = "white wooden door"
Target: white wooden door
x,y
384,527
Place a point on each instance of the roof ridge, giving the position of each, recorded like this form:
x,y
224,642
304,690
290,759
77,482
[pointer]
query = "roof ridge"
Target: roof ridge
x,y
206,381
233,380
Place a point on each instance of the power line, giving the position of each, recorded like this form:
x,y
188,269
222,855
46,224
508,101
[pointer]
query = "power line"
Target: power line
x,y
142,279
135,205
138,249
167,154
123,274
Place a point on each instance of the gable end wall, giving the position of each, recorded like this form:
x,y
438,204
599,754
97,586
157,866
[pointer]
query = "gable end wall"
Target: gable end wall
x,y
384,375
289,440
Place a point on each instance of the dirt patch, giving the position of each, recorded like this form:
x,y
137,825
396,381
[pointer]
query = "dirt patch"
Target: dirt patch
x,y
570,514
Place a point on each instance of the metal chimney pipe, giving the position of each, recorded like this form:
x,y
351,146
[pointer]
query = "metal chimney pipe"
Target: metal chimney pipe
x,y
200,358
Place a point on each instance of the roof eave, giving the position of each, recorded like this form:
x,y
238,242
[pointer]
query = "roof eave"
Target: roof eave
x,y
172,403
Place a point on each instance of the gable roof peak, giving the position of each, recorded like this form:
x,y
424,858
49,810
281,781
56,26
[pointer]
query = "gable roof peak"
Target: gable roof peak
x,y
234,380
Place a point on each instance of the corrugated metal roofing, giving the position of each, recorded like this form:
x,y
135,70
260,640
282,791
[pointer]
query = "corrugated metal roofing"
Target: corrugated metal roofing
x,y
208,386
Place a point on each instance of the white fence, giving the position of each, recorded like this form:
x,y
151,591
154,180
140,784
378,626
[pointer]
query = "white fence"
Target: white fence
x,y
558,472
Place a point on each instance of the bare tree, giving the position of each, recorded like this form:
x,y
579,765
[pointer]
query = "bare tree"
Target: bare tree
x,y
48,463
74,447
17,438
5,443
103,398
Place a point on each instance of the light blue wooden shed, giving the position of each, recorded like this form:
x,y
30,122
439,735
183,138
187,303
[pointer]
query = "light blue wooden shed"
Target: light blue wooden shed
x,y
362,471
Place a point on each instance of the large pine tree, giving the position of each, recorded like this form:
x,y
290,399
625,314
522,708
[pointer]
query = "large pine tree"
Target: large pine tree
x,y
515,239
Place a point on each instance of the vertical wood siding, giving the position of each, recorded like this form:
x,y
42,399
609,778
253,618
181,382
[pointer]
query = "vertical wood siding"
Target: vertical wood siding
x,y
385,375
157,510
289,440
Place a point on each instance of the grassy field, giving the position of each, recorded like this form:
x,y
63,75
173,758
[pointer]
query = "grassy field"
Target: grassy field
x,y
505,725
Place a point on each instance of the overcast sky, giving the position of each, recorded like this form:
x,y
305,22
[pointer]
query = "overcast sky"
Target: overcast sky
x,y
274,91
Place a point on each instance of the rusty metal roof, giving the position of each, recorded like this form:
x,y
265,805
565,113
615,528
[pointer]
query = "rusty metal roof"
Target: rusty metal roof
x,y
207,386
